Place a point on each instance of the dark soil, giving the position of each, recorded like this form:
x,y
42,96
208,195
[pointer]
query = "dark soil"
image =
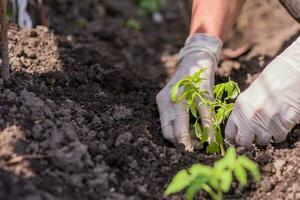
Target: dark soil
x,y
78,118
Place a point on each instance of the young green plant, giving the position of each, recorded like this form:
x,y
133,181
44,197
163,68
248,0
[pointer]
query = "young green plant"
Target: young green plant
x,y
189,88
133,24
214,180
151,6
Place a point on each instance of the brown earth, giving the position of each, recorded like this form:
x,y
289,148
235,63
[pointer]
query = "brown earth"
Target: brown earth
x,y
78,118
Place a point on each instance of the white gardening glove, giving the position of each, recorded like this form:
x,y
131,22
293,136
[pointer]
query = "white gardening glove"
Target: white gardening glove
x,y
200,51
24,19
270,107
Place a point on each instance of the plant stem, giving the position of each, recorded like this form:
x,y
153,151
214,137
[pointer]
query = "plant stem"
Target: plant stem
x,y
211,192
220,192
211,121
4,39
222,150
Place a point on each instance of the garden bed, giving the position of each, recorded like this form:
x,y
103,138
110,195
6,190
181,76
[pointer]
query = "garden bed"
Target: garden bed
x,y
78,118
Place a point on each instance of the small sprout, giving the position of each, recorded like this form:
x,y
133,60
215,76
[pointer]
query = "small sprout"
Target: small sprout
x,y
80,23
214,180
133,24
151,6
10,12
218,109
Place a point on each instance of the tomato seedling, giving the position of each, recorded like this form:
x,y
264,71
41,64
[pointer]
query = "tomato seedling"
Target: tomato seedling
x,y
189,88
214,180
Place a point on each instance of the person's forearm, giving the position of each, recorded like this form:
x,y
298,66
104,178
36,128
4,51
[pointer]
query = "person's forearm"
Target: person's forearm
x,y
214,17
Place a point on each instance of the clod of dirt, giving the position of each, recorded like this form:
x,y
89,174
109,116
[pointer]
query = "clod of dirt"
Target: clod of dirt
x,y
296,133
9,95
117,196
102,180
13,188
73,157
37,132
1,81
33,33
124,138
278,164
120,7
30,99
69,153
10,138
121,112
96,120
33,104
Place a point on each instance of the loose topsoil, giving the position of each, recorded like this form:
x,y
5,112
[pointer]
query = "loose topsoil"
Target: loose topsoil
x,y
78,118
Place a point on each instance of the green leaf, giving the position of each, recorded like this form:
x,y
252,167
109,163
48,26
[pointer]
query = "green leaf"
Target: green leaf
x,y
229,88
235,94
213,148
193,110
229,108
218,90
227,162
220,166
200,175
185,94
189,97
204,135
198,131
193,96
197,76
236,90
218,135
180,181
251,166
194,187
241,175
230,158
133,24
200,170
174,91
226,180
202,70
220,115
80,23
231,155
151,6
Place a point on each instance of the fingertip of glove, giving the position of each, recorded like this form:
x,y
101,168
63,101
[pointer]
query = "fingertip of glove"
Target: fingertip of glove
x,y
244,140
263,138
230,131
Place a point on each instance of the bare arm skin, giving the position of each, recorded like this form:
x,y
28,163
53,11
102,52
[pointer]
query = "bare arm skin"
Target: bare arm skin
x,y
214,17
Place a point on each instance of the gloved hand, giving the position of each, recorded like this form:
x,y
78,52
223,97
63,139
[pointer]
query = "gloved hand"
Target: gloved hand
x,y
200,51
270,107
